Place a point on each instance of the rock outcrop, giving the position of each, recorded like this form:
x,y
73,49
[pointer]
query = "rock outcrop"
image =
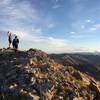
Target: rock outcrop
x,y
32,75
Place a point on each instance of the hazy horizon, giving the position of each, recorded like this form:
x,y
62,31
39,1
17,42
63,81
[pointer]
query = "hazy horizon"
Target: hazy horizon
x,y
55,26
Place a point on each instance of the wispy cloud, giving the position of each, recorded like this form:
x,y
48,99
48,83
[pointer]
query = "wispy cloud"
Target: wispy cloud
x,y
49,44
95,27
21,14
83,28
18,11
56,6
72,32
88,21
51,25
41,24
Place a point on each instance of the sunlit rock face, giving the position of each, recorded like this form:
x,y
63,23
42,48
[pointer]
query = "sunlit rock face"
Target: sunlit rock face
x,y
32,75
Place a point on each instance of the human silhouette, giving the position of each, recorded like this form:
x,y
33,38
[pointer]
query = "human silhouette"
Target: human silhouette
x,y
15,43
9,39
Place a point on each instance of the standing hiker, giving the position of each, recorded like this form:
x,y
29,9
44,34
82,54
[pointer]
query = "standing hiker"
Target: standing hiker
x,y
9,39
15,43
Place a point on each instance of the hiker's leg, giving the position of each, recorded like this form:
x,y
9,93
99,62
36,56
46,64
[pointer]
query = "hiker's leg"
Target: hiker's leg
x,y
13,45
10,43
16,48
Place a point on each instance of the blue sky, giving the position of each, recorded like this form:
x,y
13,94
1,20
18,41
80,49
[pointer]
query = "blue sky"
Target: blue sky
x,y
54,26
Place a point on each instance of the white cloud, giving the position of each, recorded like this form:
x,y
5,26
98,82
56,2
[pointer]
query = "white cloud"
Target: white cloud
x,y
16,10
57,42
88,20
83,28
78,36
58,45
95,27
48,44
73,32
37,31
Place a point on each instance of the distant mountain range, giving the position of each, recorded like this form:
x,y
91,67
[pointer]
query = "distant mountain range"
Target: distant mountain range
x,y
86,62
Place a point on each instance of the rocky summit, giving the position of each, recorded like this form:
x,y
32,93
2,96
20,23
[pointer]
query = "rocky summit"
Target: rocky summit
x,y
32,75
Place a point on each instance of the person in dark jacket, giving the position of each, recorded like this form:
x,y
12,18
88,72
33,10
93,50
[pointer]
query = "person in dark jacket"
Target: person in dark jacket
x,y
15,43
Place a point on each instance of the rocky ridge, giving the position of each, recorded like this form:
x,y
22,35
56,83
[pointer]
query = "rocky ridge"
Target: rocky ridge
x,y
32,75
85,62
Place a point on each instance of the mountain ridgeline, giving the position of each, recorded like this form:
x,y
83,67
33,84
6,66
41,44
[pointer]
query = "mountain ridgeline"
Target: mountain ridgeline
x,y
33,75
85,62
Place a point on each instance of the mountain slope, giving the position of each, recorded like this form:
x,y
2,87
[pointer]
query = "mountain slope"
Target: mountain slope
x,y
31,75
87,63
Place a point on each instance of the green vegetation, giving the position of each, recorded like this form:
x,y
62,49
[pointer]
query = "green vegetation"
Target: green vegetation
x,y
70,77
80,83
